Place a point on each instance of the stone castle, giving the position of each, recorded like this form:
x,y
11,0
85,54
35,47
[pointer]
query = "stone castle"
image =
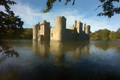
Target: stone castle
x,y
43,32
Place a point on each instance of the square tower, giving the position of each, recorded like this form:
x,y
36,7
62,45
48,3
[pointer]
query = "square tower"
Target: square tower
x,y
44,32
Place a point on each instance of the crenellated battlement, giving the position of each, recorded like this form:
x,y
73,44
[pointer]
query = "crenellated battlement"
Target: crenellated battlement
x,y
60,17
43,31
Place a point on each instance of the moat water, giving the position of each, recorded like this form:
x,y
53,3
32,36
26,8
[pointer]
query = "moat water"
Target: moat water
x,y
93,60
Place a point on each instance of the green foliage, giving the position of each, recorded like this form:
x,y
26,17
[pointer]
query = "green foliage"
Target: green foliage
x,y
7,50
8,21
10,25
94,36
50,3
105,35
109,9
22,33
118,33
113,35
27,34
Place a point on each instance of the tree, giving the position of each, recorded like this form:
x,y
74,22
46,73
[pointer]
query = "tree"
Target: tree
x,y
8,21
9,24
100,35
105,34
118,33
113,35
109,9
94,36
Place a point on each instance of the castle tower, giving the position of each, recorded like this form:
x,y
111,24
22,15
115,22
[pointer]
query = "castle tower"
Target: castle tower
x,y
35,32
84,27
60,27
79,27
75,23
44,31
87,31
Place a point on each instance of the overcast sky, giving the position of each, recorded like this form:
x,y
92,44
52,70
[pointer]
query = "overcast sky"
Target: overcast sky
x,y
83,10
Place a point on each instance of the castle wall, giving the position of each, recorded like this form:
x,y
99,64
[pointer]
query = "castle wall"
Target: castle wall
x,y
47,31
53,33
42,28
38,35
69,35
71,28
78,31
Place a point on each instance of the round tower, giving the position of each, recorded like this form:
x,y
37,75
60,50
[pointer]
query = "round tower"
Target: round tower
x,y
35,32
60,27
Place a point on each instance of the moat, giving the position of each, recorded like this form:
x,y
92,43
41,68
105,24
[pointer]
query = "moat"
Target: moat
x,y
62,60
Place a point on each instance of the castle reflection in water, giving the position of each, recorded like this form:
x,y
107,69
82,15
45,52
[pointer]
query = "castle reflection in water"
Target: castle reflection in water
x,y
60,49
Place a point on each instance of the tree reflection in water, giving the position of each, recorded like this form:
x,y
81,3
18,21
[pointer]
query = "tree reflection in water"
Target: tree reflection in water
x,y
6,49
108,45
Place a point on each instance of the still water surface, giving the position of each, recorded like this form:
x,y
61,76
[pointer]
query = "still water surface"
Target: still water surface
x,y
62,60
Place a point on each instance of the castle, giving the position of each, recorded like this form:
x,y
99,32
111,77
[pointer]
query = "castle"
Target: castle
x,y
43,32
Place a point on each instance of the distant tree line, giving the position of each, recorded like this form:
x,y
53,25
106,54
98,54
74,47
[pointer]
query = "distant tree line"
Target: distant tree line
x,y
105,34
24,33
27,34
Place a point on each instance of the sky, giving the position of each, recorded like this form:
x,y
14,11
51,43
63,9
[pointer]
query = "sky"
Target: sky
x,y
84,11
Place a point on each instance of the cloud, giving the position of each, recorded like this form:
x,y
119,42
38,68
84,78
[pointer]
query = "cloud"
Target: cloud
x,y
99,23
32,16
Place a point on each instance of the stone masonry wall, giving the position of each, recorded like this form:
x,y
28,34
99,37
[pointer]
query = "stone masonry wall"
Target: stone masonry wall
x,y
42,31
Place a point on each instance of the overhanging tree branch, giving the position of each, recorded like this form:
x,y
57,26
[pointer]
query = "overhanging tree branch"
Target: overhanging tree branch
x,y
108,7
